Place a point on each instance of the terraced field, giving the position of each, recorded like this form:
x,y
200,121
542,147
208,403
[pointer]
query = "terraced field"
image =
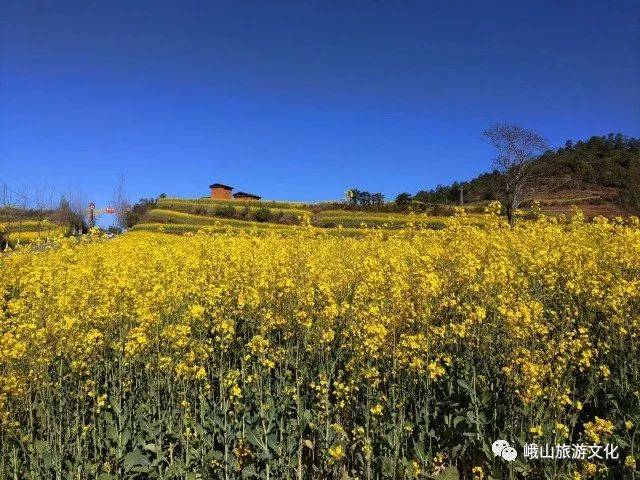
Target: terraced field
x,y
27,231
197,213
177,222
592,201
161,215
334,218
211,203
222,210
180,215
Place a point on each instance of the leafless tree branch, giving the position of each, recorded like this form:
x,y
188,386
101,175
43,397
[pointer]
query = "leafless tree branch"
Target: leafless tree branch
x,y
517,147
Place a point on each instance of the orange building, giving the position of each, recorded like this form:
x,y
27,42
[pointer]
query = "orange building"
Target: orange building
x,y
223,192
220,191
245,196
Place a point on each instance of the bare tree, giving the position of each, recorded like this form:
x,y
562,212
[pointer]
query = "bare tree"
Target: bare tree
x,y
28,205
121,203
517,148
5,196
41,202
5,203
72,212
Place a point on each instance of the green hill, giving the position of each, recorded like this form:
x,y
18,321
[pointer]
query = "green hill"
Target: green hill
x,y
600,175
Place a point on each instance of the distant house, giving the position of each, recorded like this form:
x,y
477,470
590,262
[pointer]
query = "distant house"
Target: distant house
x,y
246,196
220,191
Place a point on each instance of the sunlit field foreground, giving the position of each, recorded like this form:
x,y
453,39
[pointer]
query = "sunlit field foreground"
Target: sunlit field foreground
x,y
301,354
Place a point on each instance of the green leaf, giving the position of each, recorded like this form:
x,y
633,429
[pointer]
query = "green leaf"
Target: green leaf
x,y
449,473
419,449
249,471
457,420
272,441
388,464
125,437
40,446
151,447
215,455
464,385
455,450
135,459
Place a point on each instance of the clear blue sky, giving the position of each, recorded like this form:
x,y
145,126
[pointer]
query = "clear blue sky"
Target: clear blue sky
x,y
299,100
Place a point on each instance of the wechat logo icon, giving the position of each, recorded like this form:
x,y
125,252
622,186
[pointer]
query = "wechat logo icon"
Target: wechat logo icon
x,y
501,448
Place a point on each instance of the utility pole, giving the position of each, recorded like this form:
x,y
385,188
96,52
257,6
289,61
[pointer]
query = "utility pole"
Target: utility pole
x,y
92,218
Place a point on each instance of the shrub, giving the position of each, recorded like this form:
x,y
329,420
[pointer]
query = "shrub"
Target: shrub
x,y
441,210
263,214
226,211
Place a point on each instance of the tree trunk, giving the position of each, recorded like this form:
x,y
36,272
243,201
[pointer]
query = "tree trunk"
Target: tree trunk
x,y
510,218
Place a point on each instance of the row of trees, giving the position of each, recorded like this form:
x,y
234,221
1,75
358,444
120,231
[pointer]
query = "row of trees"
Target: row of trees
x,y
443,194
612,141
38,205
362,198
72,211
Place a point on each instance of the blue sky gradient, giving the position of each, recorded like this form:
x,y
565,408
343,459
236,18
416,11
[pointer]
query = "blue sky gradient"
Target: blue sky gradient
x,y
299,100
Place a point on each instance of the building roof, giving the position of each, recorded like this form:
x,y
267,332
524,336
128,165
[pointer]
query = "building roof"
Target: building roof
x,y
220,185
245,194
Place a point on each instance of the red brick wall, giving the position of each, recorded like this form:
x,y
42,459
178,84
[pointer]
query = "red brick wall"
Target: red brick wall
x,y
221,193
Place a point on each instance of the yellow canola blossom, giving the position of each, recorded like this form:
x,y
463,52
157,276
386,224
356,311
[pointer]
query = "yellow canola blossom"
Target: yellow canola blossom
x,y
401,327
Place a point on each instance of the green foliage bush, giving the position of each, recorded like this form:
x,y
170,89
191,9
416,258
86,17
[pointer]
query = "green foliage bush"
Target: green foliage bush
x,y
263,215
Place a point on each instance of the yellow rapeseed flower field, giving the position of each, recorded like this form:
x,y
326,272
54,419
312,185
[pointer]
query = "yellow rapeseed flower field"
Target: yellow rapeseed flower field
x,y
312,355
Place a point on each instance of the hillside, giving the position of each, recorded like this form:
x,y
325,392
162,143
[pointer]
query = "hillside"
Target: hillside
x,y
20,225
600,175
179,215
